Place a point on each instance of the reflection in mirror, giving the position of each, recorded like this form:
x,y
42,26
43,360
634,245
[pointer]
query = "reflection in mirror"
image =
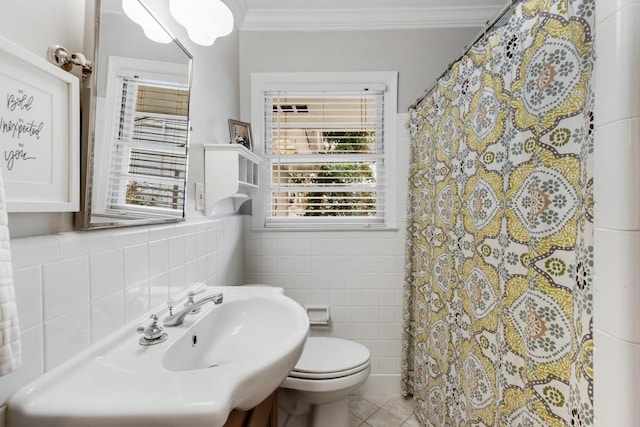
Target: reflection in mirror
x,y
136,141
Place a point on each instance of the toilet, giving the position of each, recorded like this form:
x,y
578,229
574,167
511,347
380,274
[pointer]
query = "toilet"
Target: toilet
x,y
315,392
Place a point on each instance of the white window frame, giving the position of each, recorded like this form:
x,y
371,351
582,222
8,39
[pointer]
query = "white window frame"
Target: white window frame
x,y
325,81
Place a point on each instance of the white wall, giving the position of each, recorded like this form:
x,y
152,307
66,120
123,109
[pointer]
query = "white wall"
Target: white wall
x,y
36,25
617,216
72,287
358,274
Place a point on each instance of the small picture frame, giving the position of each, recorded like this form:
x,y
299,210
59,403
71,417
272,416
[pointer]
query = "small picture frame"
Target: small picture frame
x,y
240,133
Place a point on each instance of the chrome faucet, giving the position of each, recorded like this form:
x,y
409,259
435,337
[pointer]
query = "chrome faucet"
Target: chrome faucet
x,y
191,306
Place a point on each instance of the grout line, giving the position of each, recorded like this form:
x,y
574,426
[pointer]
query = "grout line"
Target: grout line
x,y
388,399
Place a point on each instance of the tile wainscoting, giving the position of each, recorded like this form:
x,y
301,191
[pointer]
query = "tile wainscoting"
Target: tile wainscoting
x,y
617,214
73,289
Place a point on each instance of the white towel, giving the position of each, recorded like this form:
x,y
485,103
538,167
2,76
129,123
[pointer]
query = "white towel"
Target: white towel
x,y
9,330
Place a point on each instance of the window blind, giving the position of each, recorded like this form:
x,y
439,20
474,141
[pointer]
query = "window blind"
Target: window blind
x,y
149,160
325,153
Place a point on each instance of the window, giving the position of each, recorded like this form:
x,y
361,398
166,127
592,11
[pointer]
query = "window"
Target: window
x,y
326,144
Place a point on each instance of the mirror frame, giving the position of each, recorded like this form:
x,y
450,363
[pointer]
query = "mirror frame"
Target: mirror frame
x,y
88,104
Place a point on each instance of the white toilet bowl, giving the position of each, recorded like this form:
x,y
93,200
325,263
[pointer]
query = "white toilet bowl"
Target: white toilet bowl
x,y
317,387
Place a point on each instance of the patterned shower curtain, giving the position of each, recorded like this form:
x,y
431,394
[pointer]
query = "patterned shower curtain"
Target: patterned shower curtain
x,y
498,326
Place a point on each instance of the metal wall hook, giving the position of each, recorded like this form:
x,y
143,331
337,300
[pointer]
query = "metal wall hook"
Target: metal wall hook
x,y
64,59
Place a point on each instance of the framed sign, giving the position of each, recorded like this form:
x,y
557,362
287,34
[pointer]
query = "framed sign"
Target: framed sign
x,y
39,133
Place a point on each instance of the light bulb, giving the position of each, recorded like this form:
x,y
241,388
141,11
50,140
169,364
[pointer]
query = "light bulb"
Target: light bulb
x,y
138,14
204,20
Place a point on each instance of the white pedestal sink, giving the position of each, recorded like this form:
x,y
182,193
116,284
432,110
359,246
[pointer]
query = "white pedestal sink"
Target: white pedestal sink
x,y
231,355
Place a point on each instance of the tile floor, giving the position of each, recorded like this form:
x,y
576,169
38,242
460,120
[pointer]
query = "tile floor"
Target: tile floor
x,y
382,411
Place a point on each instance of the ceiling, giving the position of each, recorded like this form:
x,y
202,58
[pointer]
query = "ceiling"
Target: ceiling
x,y
335,15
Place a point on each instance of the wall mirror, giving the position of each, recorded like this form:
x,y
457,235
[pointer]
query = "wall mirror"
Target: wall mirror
x,y
135,113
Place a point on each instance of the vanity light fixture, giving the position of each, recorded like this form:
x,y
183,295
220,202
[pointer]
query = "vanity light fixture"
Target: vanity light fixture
x,y
138,14
204,20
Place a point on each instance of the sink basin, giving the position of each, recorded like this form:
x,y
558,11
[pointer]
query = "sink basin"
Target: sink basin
x,y
237,330
231,355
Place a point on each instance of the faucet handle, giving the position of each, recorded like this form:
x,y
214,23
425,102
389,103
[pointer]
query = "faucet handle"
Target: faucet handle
x,y
143,326
190,300
152,333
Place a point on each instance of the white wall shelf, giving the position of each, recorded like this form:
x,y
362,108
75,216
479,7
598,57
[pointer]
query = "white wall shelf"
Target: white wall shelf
x,y
231,172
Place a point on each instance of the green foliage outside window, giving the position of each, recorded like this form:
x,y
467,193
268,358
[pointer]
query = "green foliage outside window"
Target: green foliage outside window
x,y
337,175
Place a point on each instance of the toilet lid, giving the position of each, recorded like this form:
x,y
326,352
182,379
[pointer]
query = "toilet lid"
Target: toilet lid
x,y
323,355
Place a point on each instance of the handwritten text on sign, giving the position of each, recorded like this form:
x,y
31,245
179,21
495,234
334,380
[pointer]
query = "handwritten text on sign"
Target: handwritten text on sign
x,y
25,131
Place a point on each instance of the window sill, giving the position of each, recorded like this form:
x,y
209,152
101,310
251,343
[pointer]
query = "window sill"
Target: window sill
x,y
324,228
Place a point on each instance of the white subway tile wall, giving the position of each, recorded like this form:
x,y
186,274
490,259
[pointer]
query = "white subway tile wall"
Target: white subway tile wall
x,y
359,274
66,335
617,218
74,288
364,292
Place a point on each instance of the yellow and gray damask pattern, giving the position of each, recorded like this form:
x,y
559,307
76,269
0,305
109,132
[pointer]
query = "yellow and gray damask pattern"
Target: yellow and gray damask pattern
x,y
498,296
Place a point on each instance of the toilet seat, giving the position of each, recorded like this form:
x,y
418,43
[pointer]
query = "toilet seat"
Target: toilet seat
x,y
326,358
328,375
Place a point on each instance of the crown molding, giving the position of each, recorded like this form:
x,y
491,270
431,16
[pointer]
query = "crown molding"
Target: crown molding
x,y
366,19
